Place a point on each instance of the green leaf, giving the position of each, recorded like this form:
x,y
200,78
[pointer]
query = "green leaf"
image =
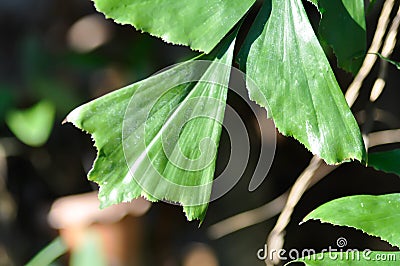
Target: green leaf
x,y
297,85
343,27
396,64
374,215
314,2
387,161
352,258
49,254
32,126
198,24
166,133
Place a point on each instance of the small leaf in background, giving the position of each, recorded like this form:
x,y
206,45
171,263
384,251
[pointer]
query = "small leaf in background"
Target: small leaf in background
x,y
343,27
284,58
387,161
374,215
148,146
355,258
198,24
32,126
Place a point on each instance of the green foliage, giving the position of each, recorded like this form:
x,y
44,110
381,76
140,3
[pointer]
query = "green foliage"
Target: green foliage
x,y
281,54
304,98
351,258
158,137
343,27
198,24
33,125
387,161
374,215
132,158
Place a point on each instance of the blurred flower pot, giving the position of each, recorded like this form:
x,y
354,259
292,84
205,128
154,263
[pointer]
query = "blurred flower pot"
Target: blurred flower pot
x,y
111,236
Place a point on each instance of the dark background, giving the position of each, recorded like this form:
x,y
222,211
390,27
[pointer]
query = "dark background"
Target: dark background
x,y
38,61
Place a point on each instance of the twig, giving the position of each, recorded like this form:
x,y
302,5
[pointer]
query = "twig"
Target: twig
x,y
370,59
248,218
309,176
379,85
384,137
379,115
314,172
387,50
274,207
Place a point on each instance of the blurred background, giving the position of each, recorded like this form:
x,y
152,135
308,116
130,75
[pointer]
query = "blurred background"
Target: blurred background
x,y
56,55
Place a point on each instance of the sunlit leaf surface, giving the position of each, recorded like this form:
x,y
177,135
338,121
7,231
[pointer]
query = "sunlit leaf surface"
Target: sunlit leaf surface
x,y
159,139
375,215
284,58
198,24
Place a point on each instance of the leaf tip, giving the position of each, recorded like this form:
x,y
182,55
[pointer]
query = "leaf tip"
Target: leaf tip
x,y
73,116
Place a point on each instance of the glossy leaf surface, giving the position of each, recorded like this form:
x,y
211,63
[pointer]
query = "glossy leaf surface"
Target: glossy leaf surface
x,y
198,24
375,215
158,138
284,58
